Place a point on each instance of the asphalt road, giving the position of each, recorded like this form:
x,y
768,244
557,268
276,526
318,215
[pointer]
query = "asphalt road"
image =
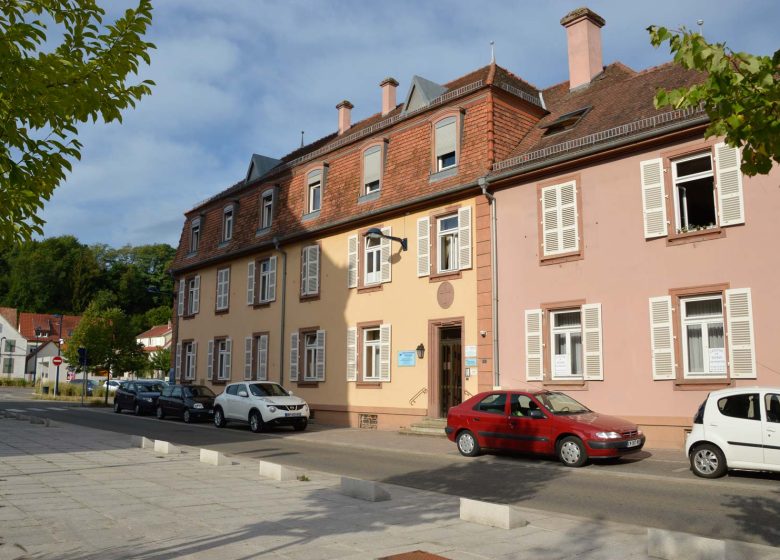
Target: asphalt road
x,y
646,490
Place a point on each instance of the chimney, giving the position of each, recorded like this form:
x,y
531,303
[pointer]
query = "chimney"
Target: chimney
x,y
345,107
388,86
583,33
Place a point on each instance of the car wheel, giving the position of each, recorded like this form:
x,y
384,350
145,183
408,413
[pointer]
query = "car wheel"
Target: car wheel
x,y
468,444
571,452
256,422
708,461
137,409
186,416
160,413
300,425
117,408
219,418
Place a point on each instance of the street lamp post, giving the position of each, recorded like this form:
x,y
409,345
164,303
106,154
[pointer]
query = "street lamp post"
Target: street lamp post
x,y
59,353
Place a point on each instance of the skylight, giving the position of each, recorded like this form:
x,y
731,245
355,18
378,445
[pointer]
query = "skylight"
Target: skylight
x,y
565,122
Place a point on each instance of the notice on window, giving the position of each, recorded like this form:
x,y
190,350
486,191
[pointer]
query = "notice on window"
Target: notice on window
x,y
717,360
560,365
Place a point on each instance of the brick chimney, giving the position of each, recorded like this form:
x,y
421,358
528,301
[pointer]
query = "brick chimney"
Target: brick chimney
x,y
345,109
583,33
388,86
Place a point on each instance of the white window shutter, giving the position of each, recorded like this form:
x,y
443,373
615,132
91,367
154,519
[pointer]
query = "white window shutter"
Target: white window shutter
x,y
196,296
272,279
180,310
319,366
262,358
550,227
569,232
742,350
311,270
385,357
228,357
248,357
210,360
533,345
351,354
250,283
464,238
294,356
352,261
653,197
386,268
423,247
662,337
194,368
592,342
731,204
178,361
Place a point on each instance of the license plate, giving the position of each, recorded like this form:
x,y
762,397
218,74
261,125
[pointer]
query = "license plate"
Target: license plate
x,y
633,442
292,413
211,412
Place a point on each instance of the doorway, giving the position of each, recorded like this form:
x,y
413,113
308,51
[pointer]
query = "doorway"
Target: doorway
x,y
445,379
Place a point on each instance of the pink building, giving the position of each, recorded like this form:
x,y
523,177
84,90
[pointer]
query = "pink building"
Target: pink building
x,y
632,262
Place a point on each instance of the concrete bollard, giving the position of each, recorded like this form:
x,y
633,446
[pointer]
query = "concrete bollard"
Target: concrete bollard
x,y
493,515
161,446
213,458
363,489
142,442
277,472
37,420
24,417
671,545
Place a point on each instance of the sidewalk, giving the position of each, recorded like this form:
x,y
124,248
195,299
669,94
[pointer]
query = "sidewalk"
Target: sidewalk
x,y
68,492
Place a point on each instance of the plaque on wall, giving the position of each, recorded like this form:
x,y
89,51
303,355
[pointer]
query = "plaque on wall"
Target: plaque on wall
x,y
445,295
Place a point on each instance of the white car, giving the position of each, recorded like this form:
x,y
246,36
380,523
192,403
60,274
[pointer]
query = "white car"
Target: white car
x,y
736,429
260,403
113,385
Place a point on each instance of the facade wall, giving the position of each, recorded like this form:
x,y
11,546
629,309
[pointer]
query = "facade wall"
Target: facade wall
x,y
13,351
621,269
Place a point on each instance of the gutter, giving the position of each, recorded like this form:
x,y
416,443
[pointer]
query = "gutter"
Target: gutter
x,y
483,184
277,246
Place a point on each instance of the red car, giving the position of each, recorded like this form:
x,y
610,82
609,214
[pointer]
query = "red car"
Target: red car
x,y
544,422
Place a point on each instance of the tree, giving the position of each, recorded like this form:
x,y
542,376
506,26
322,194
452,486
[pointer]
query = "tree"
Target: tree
x,y
47,91
739,92
160,361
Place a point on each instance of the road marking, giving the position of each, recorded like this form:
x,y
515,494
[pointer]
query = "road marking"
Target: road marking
x,y
682,469
56,408
14,410
37,409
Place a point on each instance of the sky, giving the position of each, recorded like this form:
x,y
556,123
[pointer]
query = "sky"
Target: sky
x,y
237,77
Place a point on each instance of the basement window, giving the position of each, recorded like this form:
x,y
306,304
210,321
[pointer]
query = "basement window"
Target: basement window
x,y
565,122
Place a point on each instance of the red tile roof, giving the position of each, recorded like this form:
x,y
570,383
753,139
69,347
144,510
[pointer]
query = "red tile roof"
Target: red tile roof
x,y
47,322
156,331
9,313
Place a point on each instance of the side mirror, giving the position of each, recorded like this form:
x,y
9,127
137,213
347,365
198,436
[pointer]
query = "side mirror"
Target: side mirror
x,y
536,414
290,393
243,394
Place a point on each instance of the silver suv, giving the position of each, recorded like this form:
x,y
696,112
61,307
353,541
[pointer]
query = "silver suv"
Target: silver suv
x,y
260,404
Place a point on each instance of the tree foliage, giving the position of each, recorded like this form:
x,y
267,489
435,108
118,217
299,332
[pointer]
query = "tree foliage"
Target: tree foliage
x,y
159,362
47,90
740,94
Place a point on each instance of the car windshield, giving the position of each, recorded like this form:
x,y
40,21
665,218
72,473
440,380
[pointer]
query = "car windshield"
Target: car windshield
x,y
150,387
267,390
561,403
198,392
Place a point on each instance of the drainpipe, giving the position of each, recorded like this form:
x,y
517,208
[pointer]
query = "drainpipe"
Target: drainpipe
x,y
277,246
483,184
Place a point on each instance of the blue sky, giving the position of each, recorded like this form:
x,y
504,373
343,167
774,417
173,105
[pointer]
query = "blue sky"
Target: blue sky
x,y
237,77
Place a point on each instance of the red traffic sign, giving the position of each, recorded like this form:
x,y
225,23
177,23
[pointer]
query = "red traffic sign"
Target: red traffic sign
x,y
56,360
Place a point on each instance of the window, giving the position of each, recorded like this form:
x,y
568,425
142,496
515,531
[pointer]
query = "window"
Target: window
x,y
694,193
560,220
307,355
10,346
744,406
189,296
232,390
368,352
176,393
565,122
703,341
8,365
314,191
566,343
266,209
372,169
310,270
190,355
194,235
772,403
492,404
256,357
268,279
447,243
227,223
445,144
373,260
223,289
371,349
223,358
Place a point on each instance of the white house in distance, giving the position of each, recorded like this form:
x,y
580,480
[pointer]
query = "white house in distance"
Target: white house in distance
x,y
13,346
155,339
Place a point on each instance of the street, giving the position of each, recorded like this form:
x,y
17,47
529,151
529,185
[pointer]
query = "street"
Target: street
x,y
651,489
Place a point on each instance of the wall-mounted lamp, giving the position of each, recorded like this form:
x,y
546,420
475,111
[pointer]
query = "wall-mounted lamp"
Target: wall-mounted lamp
x,y
420,351
483,334
376,233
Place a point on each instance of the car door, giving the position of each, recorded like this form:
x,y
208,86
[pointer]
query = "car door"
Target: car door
x,y
242,404
490,422
771,419
526,433
737,424
230,404
177,401
128,395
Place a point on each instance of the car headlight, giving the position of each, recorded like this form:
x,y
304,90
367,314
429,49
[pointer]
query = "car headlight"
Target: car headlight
x,y
197,405
608,435
148,399
305,406
272,408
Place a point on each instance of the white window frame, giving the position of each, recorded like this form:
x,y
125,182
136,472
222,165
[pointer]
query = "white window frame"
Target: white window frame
x,y
194,235
228,215
439,153
223,289
371,350
441,235
680,213
267,209
193,295
267,273
314,186
703,322
223,352
372,254
567,332
189,359
260,368
309,344
371,187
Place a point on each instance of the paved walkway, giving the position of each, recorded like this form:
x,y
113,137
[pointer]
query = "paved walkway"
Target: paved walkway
x,y
68,492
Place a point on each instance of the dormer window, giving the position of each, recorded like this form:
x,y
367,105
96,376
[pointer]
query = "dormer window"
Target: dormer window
x,y
314,191
227,223
565,122
194,235
445,145
266,209
372,170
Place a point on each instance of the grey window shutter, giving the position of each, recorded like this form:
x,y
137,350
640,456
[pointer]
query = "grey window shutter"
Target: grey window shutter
x,y
662,337
464,238
177,373
194,368
352,261
385,356
319,366
272,279
228,357
250,283
294,356
386,268
248,357
423,247
180,310
262,358
445,136
210,360
196,296
351,354
371,165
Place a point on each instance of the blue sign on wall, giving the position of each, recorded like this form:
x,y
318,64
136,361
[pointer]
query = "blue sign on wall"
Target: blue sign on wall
x,y
407,358
471,362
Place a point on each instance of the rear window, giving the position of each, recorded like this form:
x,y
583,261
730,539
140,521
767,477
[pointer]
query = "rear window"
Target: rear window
x,y
198,391
743,406
166,392
492,404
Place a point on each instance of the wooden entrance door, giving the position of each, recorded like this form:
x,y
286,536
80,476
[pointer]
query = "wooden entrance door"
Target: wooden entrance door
x,y
450,369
